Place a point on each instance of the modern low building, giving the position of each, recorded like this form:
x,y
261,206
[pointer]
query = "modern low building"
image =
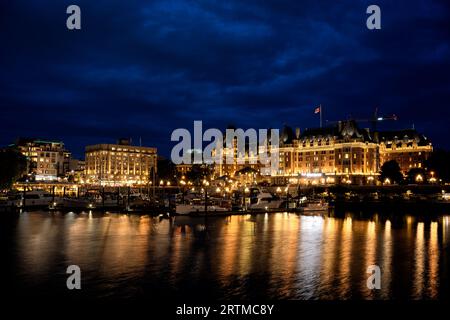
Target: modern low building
x,y
47,160
120,164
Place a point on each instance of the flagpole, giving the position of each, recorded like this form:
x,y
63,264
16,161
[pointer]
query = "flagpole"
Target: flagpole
x,y
320,109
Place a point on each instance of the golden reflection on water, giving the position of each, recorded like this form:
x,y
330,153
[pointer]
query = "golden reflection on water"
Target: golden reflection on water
x,y
292,256
386,266
345,258
229,247
308,252
283,254
433,260
328,252
419,256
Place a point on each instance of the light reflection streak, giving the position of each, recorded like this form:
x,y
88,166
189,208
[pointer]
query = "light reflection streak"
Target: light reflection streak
x,y
419,260
386,269
299,257
329,252
433,261
345,258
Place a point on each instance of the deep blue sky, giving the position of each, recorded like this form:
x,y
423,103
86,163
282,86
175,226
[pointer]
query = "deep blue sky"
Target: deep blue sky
x,y
144,68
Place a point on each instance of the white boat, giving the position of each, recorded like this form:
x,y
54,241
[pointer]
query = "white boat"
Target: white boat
x,y
315,206
266,201
37,198
73,203
184,209
198,205
14,200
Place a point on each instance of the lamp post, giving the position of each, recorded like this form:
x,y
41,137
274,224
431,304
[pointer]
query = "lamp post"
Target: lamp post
x,y
246,190
432,179
183,184
287,197
206,184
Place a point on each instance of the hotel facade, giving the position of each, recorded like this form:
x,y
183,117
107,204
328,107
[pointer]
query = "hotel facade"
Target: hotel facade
x,y
343,153
409,148
339,154
120,164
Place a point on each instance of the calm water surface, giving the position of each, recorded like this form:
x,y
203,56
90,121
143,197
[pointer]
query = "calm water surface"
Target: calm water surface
x,y
277,256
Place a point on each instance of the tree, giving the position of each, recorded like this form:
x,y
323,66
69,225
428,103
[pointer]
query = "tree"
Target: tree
x,y
166,170
199,172
416,175
391,170
438,162
13,165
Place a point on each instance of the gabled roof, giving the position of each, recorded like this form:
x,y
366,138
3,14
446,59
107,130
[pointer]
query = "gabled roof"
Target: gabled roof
x,y
403,135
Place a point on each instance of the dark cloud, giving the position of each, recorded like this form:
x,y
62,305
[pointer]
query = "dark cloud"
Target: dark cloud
x,y
144,68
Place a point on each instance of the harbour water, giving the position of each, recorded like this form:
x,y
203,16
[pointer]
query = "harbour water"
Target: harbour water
x,y
265,256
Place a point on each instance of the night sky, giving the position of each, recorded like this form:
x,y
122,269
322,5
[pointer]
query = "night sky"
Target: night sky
x,y
144,68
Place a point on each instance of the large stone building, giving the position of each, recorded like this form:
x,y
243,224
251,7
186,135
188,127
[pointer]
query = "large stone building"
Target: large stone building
x,y
344,153
409,148
120,164
47,160
230,168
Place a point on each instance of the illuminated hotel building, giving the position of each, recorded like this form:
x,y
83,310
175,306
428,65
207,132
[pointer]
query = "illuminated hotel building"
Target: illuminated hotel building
x,y
46,159
120,164
229,168
183,169
409,148
343,153
340,154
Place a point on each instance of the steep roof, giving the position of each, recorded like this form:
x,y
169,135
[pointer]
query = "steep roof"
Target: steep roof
x,y
344,129
403,135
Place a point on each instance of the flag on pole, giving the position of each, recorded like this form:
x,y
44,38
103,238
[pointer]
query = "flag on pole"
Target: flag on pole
x,y
317,110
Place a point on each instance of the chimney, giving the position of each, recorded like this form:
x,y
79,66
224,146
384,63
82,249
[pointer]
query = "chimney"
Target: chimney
x,y
124,141
297,133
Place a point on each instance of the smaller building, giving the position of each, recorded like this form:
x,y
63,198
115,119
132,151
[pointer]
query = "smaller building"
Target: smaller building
x,y
407,147
120,164
342,153
76,170
47,160
183,169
